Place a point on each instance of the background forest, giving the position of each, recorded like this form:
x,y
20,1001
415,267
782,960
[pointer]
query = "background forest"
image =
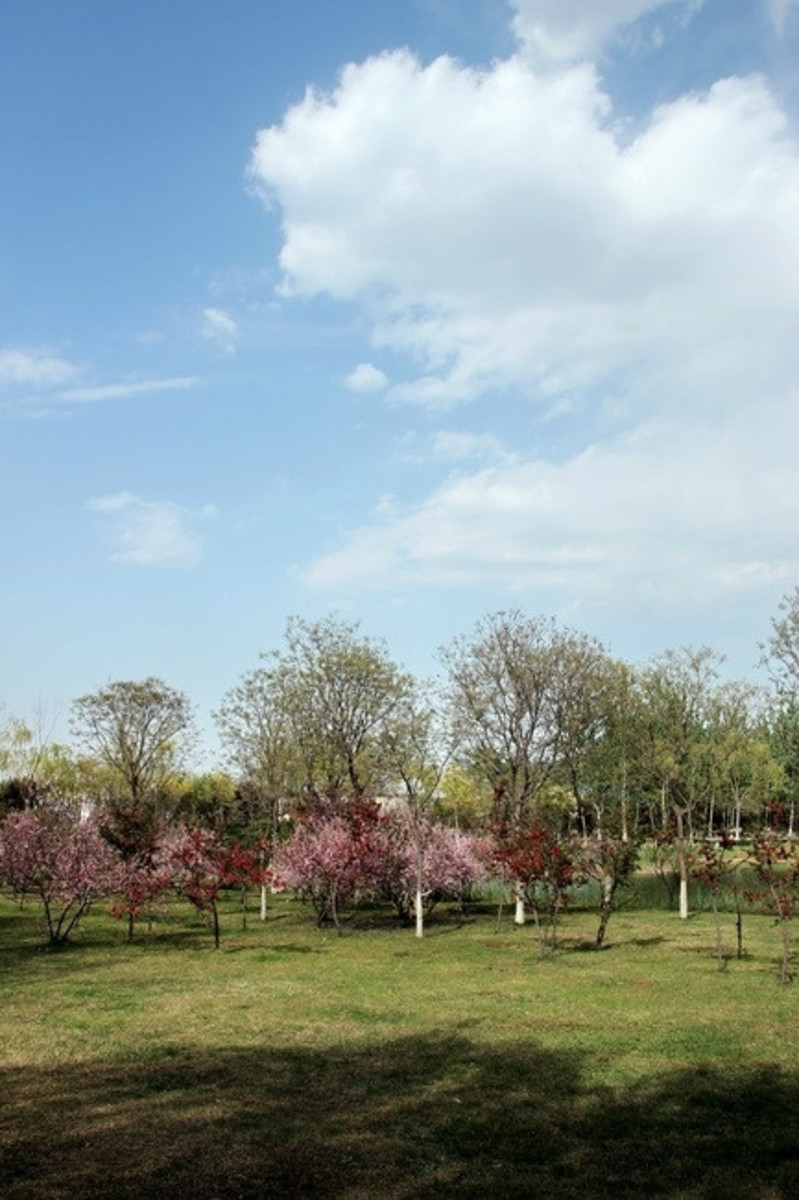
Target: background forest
x,y
536,764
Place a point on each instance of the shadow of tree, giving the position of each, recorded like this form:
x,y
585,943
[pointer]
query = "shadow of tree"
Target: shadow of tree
x,y
411,1118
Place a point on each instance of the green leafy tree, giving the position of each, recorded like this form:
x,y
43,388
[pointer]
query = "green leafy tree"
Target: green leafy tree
x,y
135,732
315,718
521,692
680,750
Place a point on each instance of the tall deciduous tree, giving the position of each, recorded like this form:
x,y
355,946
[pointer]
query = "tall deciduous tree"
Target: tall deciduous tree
x,y
523,699
257,731
680,693
318,710
135,730
781,652
781,658
418,747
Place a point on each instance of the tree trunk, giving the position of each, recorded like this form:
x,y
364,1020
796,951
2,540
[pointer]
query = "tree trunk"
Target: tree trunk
x,y
519,915
722,961
683,864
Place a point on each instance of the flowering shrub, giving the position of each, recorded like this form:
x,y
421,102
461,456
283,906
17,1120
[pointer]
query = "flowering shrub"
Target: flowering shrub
x,y
62,860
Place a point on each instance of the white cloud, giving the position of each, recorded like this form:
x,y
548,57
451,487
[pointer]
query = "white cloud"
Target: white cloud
x,y
34,369
365,379
121,391
151,533
219,327
538,251
655,513
507,238
569,30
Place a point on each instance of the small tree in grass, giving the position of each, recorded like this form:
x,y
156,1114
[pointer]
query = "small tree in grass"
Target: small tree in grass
x,y
710,866
420,863
332,857
200,868
610,862
63,861
541,864
141,882
776,864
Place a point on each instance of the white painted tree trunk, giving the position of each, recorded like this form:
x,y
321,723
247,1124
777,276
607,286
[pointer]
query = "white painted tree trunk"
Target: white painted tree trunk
x,y
519,916
683,864
419,911
263,901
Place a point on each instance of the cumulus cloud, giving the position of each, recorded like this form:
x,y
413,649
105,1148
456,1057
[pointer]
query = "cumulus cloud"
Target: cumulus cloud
x,y
507,236
516,242
365,379
220,328
151,533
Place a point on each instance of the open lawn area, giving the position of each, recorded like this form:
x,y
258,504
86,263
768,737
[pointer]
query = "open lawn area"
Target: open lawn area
x,y
297,1062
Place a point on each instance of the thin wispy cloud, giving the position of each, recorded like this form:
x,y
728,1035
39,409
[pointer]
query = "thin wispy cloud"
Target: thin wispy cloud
x,y
123,391
34,369
220,328
151,533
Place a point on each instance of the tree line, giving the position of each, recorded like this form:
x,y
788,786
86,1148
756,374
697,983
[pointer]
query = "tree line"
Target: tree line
x,y
536,758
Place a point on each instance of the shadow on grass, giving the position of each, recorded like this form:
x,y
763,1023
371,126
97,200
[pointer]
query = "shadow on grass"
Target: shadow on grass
x,y
412,1118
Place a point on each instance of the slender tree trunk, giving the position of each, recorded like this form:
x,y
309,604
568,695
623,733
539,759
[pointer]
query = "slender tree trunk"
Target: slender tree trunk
x,y
519,915
537,922
720,958
263,901
683,864
605,910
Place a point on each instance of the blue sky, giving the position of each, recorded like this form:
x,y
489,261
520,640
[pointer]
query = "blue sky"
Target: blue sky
x,y
409,311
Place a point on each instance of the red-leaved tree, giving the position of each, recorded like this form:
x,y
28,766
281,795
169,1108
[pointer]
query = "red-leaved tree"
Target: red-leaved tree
x,y
200,867
541,863
776,863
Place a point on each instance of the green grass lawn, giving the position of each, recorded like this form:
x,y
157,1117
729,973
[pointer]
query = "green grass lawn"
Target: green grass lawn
x,y
296,1062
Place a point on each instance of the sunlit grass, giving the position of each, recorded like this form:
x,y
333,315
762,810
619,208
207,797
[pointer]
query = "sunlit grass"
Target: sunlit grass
x,y
375,1064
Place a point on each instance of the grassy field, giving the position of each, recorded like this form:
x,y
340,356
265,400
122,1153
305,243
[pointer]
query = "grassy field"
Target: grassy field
x,y
298,1063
